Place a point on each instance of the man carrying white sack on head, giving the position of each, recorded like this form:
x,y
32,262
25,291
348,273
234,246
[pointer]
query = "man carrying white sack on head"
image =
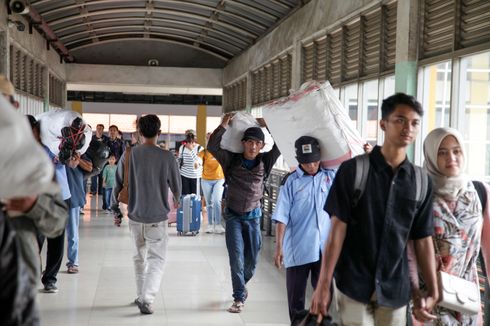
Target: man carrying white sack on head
x,y
244,174
29,203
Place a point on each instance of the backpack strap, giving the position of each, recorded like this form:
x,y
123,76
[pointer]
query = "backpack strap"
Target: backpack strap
x,y
362,170
482,193
421,184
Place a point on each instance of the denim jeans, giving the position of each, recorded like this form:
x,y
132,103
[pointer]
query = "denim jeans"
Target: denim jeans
x,y
72,236
243,241
107,198
213,193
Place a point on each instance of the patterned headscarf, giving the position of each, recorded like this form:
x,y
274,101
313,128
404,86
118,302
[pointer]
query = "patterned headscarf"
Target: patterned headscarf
x,y
447,187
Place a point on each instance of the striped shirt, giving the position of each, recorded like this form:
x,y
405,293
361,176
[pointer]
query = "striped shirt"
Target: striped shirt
x,y
188,157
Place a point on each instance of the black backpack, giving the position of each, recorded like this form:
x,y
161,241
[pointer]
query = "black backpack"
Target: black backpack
x,y
362,169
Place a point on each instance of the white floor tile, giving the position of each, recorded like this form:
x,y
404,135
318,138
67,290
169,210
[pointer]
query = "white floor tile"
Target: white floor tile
x,y
196,288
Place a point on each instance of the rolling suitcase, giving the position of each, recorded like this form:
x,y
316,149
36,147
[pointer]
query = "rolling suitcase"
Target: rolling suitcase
x,y
189,215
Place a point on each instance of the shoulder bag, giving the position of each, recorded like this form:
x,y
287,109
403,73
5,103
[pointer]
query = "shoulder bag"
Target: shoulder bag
x,y
456,293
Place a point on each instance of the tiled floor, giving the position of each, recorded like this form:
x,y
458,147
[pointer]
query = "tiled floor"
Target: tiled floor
x,y
196,289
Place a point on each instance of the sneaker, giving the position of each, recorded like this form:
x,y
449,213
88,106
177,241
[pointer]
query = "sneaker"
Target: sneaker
x,y
210,228
219,229
50,288
145,308
236,307
72,269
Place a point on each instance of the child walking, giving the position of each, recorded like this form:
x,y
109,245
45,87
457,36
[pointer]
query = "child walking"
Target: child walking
x,y
108,179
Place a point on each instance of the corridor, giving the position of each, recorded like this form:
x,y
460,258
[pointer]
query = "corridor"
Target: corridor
x,y
196,289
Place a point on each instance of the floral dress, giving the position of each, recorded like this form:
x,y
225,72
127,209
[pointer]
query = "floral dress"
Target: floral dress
x,y
457,234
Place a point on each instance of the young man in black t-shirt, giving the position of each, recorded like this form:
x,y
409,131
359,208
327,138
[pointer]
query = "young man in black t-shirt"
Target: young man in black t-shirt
x,y
368,239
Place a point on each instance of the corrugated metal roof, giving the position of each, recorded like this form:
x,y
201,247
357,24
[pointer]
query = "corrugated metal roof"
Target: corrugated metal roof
x,y
218,28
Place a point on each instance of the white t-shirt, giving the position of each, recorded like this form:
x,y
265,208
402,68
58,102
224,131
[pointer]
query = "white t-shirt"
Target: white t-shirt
x,y
189,160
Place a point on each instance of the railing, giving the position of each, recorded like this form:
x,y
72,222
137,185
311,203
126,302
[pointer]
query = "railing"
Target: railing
x,y
270,198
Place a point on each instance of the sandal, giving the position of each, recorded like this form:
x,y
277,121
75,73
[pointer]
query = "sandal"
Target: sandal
x,y
236,307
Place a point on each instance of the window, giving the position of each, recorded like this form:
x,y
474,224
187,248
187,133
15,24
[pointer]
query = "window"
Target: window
x,y
389,86
124,122
164,123
179,124
93,119
370,110
212,123
474,112
350,102
436,96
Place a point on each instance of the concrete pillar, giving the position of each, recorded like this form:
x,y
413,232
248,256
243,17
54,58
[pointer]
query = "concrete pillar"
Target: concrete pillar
x,y
406,47
4,54
201,124
64,96
296,66
45,78
248,98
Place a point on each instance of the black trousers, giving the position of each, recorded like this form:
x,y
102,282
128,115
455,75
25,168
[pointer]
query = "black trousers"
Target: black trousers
x,y
296,281
189,186
54,257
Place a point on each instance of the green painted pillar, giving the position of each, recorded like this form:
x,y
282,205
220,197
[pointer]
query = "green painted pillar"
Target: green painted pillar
x,y
406,51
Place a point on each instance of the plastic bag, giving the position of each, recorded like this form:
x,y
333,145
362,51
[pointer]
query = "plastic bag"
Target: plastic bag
x,y
314,111
25,167
232,138
64,132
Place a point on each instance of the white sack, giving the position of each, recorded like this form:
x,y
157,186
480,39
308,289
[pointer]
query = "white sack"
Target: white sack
x,y
51,124
232,138
25,167
314,111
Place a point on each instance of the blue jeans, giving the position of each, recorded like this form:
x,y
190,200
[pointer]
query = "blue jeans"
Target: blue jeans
x,y
107,198
72,236
213,193
243,241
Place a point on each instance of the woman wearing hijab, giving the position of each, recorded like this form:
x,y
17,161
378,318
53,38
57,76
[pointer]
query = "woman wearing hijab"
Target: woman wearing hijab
x,y
461,225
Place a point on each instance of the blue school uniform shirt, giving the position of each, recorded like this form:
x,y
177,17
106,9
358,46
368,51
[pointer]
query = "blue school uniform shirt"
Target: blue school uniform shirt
x,y
300,208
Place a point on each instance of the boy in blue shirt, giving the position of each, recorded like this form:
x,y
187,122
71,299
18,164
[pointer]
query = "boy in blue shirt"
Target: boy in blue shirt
x,y
302,226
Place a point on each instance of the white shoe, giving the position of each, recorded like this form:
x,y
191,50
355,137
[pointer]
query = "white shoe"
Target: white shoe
x,y
210,228
219,229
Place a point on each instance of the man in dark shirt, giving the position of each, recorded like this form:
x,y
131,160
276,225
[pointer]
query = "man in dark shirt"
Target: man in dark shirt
x,y
244,175
367,245
96,180
115,144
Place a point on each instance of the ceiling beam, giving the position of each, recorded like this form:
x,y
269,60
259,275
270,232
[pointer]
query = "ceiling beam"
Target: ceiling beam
x,y
222,11
229,37
143,10
142,27
83,46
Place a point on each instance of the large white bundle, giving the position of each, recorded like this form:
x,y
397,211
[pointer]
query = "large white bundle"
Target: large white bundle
x,y
53,122
25,168
314,111
232,138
